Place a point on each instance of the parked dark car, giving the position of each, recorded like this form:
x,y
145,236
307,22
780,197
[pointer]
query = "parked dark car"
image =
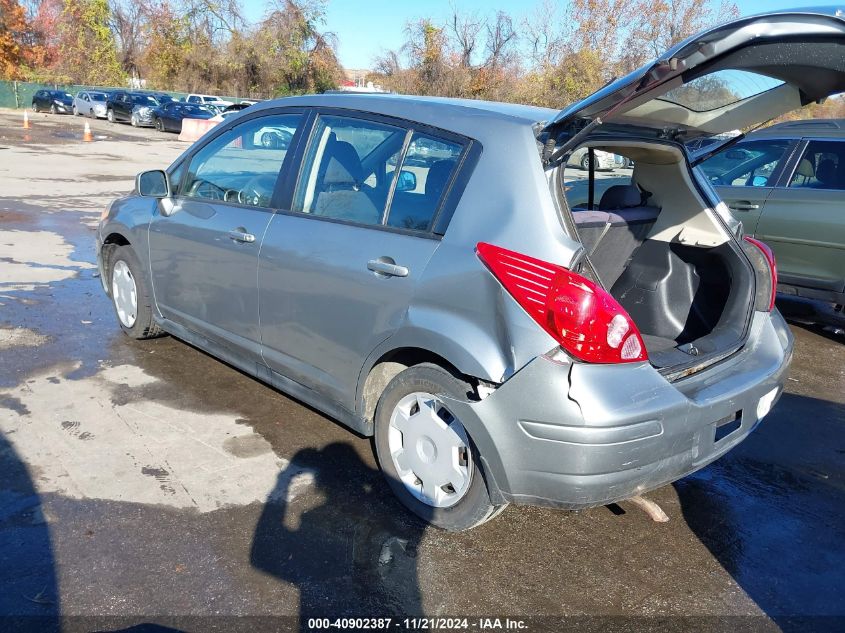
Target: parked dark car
x,y
122,104
56,101
786,184
499,345
168,117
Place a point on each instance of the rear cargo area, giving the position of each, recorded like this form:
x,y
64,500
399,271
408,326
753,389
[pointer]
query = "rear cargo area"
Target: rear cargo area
x,y
654,244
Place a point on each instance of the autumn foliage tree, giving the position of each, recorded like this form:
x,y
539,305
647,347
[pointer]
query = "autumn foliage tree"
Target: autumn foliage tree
x,y
18,49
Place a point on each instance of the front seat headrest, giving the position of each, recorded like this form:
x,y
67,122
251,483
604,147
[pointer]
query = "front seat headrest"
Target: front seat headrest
x,y
437,178
620,197
343,166
826,172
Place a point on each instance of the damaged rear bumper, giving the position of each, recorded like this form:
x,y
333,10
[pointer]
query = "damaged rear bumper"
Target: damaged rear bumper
x,y
580,435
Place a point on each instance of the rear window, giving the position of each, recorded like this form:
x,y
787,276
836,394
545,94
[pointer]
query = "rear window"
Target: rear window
x,y
822,166
748,164
720,89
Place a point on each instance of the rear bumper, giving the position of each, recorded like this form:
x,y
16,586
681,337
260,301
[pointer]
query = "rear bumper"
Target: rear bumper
x,y
579,435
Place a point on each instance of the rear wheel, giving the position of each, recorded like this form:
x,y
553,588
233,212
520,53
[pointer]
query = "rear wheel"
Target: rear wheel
x,y
585,162
425,452
130,295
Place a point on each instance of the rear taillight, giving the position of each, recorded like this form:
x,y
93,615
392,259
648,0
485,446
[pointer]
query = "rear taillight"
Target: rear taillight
x,y
582,317
766,271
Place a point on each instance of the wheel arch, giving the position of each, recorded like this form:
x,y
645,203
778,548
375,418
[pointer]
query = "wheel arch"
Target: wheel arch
x,y
386,364
111,241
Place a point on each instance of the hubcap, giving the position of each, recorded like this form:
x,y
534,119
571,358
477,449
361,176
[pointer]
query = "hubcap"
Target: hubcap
x,y
124,294
430,450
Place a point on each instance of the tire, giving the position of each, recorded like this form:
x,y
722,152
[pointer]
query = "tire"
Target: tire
x,y
143,326
35,107
585,162
268,140
133,121
473,505
110,115
159,125
53,109
75,111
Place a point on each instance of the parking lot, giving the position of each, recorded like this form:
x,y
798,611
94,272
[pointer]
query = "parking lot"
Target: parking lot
x,y
149,481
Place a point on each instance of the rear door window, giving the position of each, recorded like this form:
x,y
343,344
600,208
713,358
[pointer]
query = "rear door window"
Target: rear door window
x,y
235,167
373,173
822,166
749,164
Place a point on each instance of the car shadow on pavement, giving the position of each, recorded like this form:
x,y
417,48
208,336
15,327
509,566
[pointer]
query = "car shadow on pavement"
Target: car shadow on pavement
x,y
29,600
331,528
770,512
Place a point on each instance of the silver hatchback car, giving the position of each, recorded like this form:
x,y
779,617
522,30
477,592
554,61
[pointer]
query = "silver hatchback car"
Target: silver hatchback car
x,y
412,268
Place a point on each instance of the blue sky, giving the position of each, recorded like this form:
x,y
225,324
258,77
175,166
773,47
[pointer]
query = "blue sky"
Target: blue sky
x,y
367,28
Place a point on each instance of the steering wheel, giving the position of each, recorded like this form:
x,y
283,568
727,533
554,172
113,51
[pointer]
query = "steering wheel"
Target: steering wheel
x,y
258,191
206,189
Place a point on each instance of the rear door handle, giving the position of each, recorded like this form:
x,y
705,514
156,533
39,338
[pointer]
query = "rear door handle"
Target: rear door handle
x,y
239,235
386,267
744,206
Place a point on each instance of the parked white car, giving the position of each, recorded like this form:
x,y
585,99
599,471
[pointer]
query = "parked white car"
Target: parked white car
x,y
90,103
209,100
604,160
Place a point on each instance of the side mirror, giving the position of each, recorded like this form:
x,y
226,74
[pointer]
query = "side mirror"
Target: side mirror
x,y
407,181
153,184
759,181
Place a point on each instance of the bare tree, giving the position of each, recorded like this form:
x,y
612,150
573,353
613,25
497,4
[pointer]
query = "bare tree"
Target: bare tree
x,y
465,30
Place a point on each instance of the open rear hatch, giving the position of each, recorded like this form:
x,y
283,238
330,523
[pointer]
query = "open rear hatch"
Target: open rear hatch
x,y
660,243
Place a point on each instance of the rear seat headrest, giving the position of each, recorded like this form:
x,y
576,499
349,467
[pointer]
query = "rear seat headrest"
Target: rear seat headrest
x,y
621,197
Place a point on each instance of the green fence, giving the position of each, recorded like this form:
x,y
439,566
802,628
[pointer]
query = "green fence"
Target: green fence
x,y
18,94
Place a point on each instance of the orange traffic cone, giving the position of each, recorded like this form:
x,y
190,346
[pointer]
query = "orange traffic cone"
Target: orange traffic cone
x,y
26,124
86,135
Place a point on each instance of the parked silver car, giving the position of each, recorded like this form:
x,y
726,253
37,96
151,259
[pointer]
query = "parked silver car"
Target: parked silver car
x,y
90,103
498,345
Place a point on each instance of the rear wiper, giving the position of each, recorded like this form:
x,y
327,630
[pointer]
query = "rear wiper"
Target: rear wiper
x,y
715,149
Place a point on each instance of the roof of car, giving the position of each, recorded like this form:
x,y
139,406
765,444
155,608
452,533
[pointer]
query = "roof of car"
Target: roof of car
x,y
439,111
814,127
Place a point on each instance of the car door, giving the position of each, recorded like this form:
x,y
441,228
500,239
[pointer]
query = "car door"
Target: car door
x,y
804,220
745,175
338,270
170,118
204,253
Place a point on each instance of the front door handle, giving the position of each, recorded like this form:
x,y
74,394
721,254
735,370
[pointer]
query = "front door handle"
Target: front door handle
x,y
744,206
387,267
239,235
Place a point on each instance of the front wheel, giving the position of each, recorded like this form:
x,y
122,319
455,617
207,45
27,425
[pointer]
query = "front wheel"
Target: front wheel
x,y
75,111
425,452
53,109
130,295
110,116
585,162
159,125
